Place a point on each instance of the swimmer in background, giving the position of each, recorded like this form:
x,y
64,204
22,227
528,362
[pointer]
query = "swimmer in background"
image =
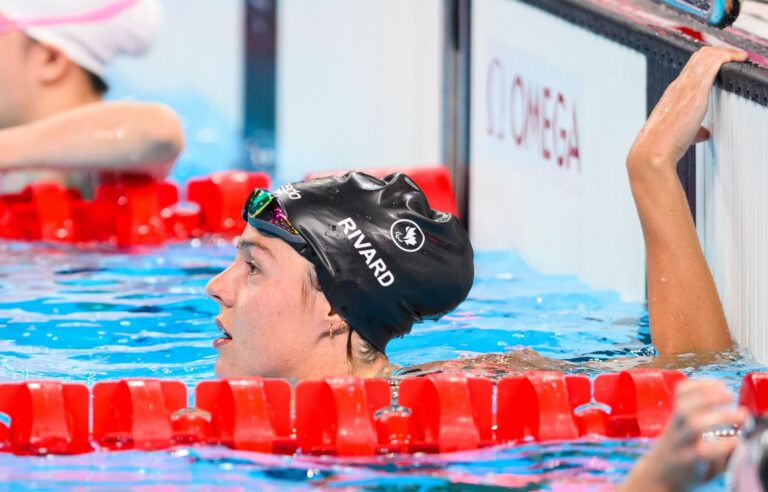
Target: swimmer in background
x,y
53,122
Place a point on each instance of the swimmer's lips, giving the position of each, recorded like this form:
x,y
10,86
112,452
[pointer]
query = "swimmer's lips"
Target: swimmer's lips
x,y
225,336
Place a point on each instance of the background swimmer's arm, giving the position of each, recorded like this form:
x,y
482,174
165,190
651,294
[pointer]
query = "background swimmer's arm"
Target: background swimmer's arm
x,y
680,458
105,136
685,311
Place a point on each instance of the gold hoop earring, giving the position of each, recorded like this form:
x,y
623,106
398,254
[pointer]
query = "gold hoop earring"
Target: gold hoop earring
x,y
332,332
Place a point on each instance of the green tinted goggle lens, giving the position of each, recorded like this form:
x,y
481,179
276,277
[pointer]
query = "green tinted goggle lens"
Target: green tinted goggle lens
x,y
263,212
258,201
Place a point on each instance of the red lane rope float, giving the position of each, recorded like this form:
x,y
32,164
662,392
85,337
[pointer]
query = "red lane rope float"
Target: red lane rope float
x,y
754,393
139,211
336,416
135,414
130,212
449,412
641,400
46,417
250,414
343,416
221,197
551,399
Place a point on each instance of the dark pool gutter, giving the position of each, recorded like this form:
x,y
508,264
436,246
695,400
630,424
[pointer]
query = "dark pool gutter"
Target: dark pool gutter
x,y
662,46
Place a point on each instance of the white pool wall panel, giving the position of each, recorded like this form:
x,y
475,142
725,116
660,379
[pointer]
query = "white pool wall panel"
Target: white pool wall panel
x,y
358,84
577,218
732,212
195,52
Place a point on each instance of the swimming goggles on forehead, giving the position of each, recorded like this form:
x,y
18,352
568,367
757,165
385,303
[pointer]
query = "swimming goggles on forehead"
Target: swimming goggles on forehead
x,y
264,213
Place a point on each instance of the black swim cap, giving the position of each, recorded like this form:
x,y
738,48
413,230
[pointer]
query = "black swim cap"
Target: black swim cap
x,y
384,258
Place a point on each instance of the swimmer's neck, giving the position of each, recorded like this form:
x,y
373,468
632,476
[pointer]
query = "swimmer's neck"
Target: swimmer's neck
x,y
379,369
60,99
58,106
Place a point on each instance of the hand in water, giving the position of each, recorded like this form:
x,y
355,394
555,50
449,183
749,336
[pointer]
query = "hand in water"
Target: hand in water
x,y
681,458
675,122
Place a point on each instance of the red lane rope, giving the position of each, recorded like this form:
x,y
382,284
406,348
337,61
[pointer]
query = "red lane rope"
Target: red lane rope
x,y
140,211
130,212
343,416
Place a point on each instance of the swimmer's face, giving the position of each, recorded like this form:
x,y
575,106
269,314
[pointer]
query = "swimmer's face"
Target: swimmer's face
x,y
16,77
278,323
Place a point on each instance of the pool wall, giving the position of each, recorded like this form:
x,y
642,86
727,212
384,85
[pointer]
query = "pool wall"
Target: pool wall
x,y
182,61
613,60
731,214
547,152
365,92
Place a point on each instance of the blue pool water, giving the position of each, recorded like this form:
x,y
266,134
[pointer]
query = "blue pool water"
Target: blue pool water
x,y
88,316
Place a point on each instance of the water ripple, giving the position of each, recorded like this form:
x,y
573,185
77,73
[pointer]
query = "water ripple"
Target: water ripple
x,y
103,314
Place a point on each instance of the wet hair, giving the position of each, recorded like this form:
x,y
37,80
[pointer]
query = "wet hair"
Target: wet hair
x,y
97,83
309,284
360,352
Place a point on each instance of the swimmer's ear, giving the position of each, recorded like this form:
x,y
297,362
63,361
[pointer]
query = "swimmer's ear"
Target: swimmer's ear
x,y
702,135
325,313
53,64
333,315
333,318
330,323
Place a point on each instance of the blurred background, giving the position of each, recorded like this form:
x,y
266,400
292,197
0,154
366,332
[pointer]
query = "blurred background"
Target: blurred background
x,y
296,86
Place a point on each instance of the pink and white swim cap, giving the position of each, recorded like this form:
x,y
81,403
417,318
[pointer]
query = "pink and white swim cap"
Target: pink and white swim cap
x,y
90,32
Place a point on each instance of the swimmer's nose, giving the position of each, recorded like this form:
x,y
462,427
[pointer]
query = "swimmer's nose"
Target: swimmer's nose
x,y
218,289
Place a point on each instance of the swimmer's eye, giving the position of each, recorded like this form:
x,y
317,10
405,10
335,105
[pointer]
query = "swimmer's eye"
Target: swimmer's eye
x,y
253,268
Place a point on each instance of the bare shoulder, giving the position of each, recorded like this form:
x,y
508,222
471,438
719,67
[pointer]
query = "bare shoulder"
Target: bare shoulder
x,y
499,365
495,365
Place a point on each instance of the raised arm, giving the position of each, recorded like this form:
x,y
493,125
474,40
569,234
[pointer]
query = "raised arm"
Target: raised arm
x,y
105,136
685,311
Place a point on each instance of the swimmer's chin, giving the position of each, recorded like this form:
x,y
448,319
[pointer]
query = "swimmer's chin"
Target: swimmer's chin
x,y
223,371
